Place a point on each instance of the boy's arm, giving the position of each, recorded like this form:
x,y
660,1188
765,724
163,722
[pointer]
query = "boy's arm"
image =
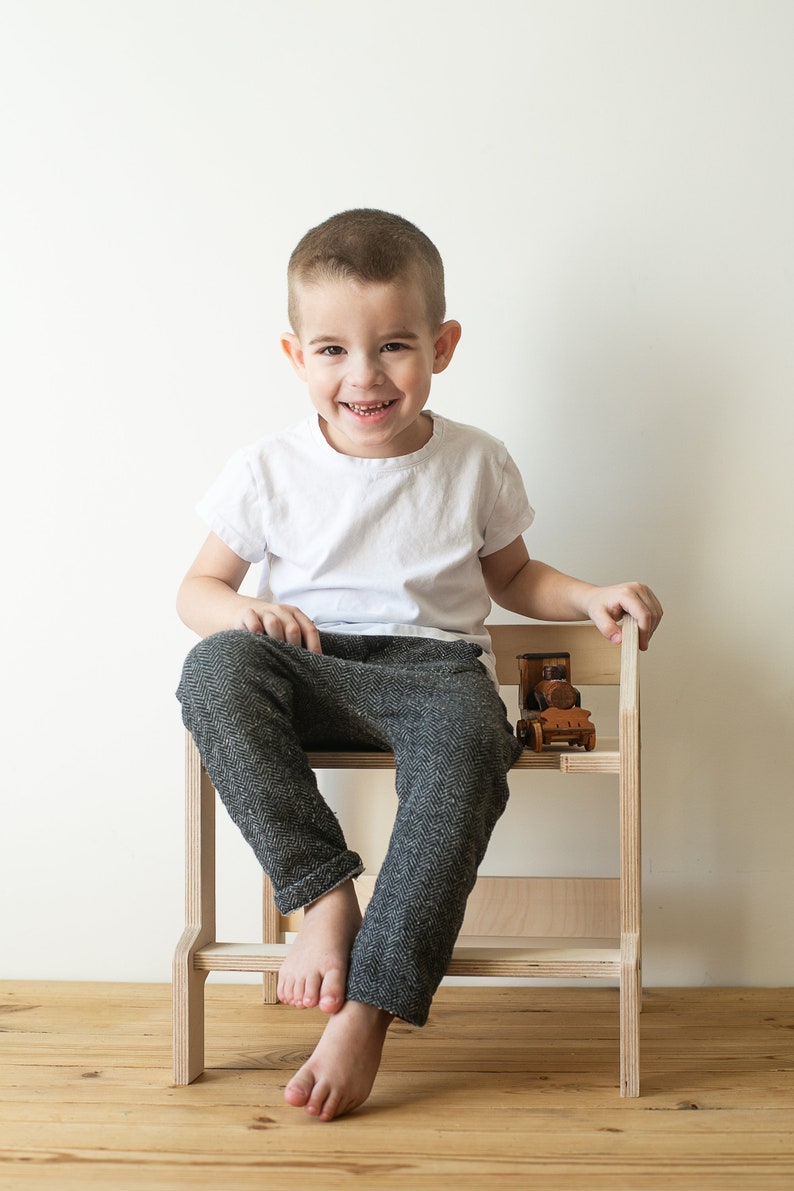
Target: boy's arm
x,y
531,588
208,601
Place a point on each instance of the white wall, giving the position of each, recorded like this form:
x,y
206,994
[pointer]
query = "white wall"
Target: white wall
x,y
611,184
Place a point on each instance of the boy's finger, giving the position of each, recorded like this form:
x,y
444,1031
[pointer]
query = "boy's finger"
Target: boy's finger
x,y
251,622
607,627
311,637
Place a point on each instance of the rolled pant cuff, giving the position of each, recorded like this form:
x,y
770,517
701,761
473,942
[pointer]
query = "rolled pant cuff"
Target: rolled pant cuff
x,y
319,882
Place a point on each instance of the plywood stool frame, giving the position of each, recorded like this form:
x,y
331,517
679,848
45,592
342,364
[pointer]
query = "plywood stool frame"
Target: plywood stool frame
x,y
560,928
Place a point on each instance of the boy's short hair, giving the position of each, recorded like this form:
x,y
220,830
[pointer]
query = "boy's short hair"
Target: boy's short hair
x,y
369,246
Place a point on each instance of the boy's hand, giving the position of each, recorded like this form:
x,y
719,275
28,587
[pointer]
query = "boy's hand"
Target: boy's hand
x,y
281,621
606,606
532,588
209,601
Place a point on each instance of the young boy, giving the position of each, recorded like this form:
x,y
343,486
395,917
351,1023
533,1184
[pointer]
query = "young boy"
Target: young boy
x,y
385,531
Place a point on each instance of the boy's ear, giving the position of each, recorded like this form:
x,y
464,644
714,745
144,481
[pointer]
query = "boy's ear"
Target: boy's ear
x,y
290,345
447,339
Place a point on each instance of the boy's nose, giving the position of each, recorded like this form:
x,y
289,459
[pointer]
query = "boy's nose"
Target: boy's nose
x,y
364,373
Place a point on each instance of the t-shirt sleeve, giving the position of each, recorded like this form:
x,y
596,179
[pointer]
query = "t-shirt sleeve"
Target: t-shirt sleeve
x,y
511,514
232,509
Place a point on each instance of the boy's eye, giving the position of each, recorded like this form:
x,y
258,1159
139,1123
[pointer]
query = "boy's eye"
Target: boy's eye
x,y
333,349
393,347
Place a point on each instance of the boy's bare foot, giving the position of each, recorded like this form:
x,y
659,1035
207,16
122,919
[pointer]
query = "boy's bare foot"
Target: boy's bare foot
x,y
340,1073
314,973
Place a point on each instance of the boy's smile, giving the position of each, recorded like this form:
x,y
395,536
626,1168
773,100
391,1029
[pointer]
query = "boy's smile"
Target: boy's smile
x,y
368,356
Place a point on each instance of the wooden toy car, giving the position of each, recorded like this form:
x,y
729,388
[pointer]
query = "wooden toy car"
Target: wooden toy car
x,y
551,708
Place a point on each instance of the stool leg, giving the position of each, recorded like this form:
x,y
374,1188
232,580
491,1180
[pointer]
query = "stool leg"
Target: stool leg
x,y
188,983
271,933
630,1002
188,1013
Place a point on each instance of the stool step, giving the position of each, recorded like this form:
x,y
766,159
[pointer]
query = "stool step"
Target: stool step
x,y
240,957
564,963
561,963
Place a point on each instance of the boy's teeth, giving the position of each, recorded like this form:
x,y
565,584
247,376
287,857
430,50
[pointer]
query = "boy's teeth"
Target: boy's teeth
x,y
368,409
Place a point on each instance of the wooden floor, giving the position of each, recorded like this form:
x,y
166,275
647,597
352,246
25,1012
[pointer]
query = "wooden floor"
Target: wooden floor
x,y
503,1088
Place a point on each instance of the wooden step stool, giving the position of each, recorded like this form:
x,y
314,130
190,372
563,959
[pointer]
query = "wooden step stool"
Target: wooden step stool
x,y
598,919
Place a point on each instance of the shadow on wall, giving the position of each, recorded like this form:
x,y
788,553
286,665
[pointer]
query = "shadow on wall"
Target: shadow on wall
x,y
664,419
718,816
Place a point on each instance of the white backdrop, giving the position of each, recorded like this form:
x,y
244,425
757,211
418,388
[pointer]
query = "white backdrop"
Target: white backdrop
x,y
611,185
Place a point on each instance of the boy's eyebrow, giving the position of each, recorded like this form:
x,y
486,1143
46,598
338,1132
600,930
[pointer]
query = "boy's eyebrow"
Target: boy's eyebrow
x,y
337,338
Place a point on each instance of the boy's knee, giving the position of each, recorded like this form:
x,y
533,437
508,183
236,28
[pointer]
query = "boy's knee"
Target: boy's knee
x,y
212,653
236,670
211,662
472,758
474,730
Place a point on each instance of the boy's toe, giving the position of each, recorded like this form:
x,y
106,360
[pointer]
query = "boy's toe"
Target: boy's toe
x,y
299,1089
311,992
332,993
314,1095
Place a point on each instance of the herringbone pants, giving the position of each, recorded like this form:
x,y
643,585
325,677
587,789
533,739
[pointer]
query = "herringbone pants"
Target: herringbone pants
x,y
254,704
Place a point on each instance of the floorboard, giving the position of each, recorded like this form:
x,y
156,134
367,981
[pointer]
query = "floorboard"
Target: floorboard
x,y
503,1088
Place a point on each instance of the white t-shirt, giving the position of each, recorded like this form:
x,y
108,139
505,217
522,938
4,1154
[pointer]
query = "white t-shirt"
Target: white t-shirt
x,y
373,545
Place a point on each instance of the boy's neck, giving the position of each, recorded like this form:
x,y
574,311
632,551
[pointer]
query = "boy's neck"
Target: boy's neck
x,y
411,440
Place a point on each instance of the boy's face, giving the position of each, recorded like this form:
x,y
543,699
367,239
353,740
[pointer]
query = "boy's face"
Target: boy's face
x,y
367,353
